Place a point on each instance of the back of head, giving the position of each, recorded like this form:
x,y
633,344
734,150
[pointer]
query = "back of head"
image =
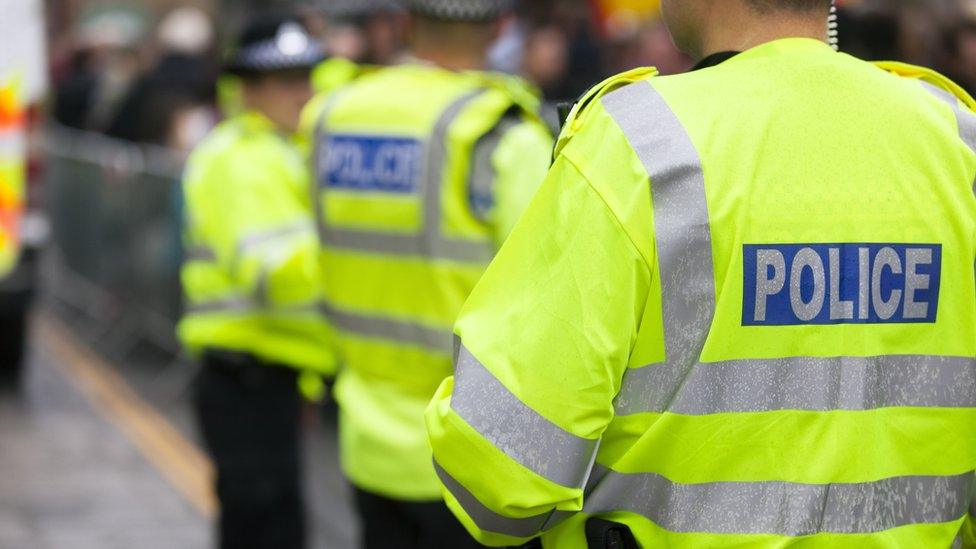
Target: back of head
x,y
703,27
455,34
767,6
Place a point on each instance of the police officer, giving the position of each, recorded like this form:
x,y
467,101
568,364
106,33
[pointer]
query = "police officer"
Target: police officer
x,y
739,312
421,171
251,281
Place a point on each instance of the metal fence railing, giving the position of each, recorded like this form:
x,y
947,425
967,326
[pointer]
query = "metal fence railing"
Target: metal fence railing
x,y
115,214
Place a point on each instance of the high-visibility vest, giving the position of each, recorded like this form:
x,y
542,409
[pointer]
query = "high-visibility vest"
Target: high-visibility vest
x,y
13,161
740,312
420,173
250,273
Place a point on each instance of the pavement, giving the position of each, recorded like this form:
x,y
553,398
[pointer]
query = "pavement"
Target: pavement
x,y
104,454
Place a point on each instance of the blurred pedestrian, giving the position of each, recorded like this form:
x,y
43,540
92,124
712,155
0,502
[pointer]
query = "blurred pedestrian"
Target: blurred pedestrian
x,y
176,96
422,169
739,312
251,283
104,68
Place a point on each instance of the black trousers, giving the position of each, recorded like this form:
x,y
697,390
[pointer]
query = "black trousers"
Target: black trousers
x,y
249,414
393,524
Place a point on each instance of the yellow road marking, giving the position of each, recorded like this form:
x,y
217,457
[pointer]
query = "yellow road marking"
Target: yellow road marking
x,y
180,461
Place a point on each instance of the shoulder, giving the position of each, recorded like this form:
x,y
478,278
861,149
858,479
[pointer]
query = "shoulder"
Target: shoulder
x,y
234,147
582,113
937,84
215,145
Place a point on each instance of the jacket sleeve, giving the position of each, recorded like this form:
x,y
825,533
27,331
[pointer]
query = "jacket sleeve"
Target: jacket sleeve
x,y
542,345
256,220
520,163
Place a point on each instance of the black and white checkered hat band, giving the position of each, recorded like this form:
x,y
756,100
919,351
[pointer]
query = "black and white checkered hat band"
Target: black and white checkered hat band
x,y
267,56
352,8
460,10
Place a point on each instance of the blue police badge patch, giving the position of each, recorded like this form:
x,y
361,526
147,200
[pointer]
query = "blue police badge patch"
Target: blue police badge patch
x,y
795,284
370,163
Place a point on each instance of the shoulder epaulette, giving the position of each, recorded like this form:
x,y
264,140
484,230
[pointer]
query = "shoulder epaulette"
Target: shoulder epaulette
x,y
578,114
906,70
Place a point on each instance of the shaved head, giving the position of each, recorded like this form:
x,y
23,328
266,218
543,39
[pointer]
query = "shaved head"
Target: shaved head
x,y
767,6
698,27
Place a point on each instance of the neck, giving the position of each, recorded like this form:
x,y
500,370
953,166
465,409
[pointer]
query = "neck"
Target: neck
x,y
262,108
741,31
453,59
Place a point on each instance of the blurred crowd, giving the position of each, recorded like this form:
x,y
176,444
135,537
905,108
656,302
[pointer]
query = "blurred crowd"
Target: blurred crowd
x,y
150,79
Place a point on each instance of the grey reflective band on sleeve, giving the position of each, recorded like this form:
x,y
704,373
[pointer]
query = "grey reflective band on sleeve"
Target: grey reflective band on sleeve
x,y
681,227
490,521
804,383
411,333
226,305
965,118
784,508
430,241
261,238
200,253
243,305
527,437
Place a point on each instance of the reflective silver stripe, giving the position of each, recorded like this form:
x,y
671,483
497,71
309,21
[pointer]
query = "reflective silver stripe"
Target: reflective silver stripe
x,y
200,253
207,254
965,118
228,305
260,238
482,175
245,305
516,429
401,331
784,508
319,155
803,383
409,245
430,241
435,163
490,521
681,227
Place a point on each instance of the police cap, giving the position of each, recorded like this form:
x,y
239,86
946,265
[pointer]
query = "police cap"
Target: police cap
x,y
274,44
459,10
348,9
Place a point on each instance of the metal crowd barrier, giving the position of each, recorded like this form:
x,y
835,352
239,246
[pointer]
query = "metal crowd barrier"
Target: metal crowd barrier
x,y
115,213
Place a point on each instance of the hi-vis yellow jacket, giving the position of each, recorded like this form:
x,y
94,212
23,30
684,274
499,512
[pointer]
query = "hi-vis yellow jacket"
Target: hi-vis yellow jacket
x,y
251,274
13,159
739,313
420,175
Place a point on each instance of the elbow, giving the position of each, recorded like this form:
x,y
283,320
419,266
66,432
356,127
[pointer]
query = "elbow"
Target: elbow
x,y
500,499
